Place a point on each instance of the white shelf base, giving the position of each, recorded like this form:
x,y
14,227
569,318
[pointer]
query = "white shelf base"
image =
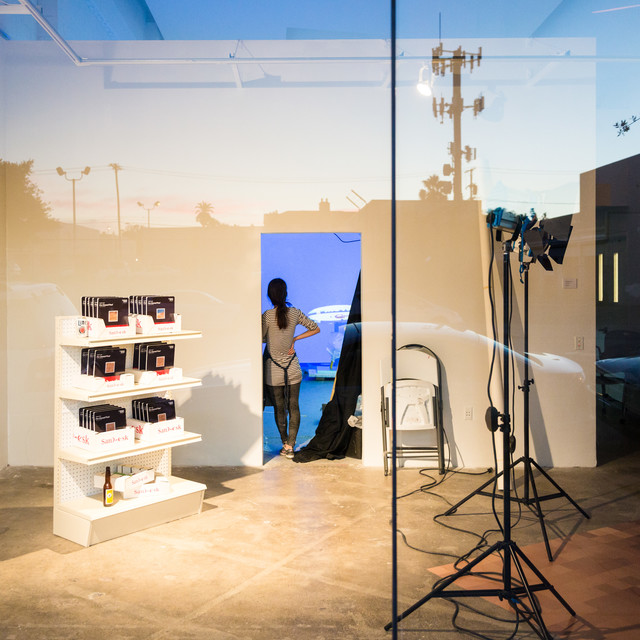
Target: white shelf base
x,y
86,521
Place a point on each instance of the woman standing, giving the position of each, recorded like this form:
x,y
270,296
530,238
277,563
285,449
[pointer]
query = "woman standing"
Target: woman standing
x,y
283,374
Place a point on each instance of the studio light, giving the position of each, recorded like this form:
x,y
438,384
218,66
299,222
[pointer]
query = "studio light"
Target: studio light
x,y
425,80
548,241
542,240
503,220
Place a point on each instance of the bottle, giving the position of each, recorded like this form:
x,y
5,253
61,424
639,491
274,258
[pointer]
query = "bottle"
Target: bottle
x,y
107,489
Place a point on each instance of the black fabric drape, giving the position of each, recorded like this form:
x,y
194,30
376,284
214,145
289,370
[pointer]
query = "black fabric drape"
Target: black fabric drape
x,y
333,432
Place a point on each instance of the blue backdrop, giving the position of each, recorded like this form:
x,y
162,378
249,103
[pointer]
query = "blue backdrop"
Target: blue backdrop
x,y
320,269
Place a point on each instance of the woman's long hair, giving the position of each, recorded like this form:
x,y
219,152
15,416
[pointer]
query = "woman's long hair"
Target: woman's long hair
x,y
277,292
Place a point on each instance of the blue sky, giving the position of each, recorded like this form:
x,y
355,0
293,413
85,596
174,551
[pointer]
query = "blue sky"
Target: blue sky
x,y
255,149
613,22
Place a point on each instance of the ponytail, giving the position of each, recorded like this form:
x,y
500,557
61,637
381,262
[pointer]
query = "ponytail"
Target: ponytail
x,y
277,293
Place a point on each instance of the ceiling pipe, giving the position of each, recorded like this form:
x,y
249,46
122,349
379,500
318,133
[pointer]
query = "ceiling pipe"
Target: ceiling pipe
x,y
81,61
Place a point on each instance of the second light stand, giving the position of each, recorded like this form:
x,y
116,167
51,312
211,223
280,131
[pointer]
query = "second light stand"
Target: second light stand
x,y
531,500
520,596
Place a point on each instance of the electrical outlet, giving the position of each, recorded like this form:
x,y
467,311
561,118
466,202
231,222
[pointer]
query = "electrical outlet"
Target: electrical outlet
x,y
578,343
468,413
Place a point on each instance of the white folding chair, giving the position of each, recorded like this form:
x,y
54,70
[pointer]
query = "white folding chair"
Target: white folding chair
x,y
419,432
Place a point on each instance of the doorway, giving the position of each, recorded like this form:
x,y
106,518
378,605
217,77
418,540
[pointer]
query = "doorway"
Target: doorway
x,y
321,271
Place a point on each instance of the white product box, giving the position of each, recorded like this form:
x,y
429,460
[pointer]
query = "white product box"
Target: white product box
x,y
122,382
124,483
160,487
95,328
158,431
107,441
145,325
157,378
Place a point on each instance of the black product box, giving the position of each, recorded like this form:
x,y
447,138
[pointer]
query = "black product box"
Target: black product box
x,y
84,359
110,419
136,352
156,357
105,362
163,409
110,362
155,409
113,310
160,308
104,417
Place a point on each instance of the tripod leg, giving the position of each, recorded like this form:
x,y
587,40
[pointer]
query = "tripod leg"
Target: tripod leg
x,y
560,489
545,583
512,556
476,492
437,592
538,509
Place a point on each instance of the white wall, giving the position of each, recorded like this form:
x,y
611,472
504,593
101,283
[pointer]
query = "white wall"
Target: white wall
x,y
183,145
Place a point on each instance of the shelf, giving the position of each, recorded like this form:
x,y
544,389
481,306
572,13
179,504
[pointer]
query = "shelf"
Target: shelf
x,y
77,341
86,521
78,512
90,396
82,456
91,507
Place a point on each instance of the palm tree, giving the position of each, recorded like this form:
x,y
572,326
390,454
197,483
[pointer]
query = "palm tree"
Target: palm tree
x,y
623,125
435,189
203,214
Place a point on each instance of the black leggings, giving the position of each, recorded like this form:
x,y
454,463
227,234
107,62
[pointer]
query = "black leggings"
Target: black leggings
x,y
280,412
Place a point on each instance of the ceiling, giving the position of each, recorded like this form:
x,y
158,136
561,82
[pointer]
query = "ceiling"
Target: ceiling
x,y
613,23
277,19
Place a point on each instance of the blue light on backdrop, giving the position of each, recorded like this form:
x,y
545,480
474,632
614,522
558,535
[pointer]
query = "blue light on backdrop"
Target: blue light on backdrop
x,y
321,271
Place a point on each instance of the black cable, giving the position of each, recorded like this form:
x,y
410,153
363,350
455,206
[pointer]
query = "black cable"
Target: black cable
x,y
522,613
477,634
438,481
492,306
432,553
346,241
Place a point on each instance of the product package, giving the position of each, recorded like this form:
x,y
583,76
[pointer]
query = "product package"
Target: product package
x,y
127,479
136,352
103,362
154,409
102,418
112,310
153,356
161,309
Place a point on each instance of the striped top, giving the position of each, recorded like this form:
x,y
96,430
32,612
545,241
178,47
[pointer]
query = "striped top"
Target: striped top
x,y
279,342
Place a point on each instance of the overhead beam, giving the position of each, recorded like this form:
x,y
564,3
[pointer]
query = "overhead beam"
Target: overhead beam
x,y
13,9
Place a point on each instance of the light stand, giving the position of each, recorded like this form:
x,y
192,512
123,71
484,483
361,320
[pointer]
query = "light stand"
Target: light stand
x,y
532,502
509,552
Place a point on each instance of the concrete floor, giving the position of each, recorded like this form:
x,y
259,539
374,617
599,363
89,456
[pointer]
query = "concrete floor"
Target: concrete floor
x,y
289,551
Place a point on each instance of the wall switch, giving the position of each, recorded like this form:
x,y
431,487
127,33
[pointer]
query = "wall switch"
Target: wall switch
x,y
468,413
578,343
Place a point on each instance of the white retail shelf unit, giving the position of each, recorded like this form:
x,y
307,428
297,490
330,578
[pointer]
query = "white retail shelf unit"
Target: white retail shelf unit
x,y
78,513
